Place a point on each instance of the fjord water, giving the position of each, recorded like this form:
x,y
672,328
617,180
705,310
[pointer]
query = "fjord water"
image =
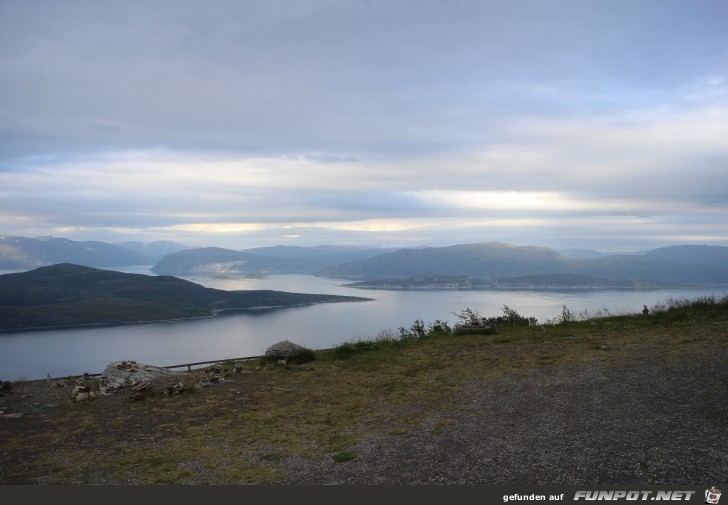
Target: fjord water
x,y
59,353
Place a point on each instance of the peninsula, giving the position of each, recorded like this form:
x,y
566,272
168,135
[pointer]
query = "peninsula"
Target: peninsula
x,y
67,295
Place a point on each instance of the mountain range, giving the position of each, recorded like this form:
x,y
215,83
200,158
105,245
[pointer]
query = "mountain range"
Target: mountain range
x,y
490,261
485,261
278,259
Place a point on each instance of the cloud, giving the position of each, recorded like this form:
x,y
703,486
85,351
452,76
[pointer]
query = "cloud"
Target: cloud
x,y
370,121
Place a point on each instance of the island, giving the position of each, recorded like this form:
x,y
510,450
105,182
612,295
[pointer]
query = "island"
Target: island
x,y
68,295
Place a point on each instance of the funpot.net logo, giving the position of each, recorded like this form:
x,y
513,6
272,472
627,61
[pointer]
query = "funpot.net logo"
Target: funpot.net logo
x,y
712,495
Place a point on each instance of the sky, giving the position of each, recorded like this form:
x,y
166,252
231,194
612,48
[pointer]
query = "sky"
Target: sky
x,y
599,124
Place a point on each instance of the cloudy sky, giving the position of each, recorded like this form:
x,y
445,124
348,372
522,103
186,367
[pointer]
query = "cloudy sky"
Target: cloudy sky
x,y
600,124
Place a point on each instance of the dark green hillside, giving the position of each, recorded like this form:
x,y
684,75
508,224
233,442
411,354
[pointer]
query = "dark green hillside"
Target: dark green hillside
x,y
72,295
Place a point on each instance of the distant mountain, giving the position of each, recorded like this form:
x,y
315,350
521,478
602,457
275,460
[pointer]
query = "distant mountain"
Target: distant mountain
x,y
582,253
326,253
24,252
486,260
154,250
491,260
216,260
707,255
73,295
278,259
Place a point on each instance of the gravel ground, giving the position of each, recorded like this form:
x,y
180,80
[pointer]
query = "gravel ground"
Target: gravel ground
x,y
644,426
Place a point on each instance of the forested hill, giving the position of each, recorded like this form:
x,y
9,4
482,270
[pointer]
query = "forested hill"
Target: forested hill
x,y
73,295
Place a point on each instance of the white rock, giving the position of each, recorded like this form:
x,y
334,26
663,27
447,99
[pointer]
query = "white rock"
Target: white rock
x,y
124,374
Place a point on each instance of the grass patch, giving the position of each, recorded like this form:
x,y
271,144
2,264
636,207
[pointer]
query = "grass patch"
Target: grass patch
x,y
344,456
442,425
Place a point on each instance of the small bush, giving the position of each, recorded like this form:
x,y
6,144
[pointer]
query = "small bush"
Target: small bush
x,y
438,329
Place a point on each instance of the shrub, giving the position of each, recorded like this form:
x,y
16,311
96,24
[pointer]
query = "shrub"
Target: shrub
x,y
389,339
438,329
510,317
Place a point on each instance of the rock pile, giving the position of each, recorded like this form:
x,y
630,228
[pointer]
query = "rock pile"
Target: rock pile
x,y
215,373
82,393
121,375
57,383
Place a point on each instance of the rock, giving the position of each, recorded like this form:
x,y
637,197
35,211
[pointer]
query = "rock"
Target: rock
x,y
127,374
138,387
82,393
285,349
174,389
15,415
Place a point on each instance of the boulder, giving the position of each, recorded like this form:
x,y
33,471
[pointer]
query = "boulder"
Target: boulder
x,y
286,349
127,374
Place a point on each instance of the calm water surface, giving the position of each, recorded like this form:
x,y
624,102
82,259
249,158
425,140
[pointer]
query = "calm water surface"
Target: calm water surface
x,y
33,355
